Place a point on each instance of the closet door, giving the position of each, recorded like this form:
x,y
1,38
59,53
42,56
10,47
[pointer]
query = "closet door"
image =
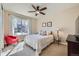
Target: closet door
x,y
1,30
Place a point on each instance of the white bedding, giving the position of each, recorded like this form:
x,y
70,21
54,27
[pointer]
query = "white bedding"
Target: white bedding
x,y
39,42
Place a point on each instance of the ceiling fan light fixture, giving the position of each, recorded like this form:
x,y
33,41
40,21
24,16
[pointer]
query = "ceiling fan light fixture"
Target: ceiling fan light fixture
x,y
37,12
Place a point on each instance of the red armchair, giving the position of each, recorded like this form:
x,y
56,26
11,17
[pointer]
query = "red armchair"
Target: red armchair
x,y
11,39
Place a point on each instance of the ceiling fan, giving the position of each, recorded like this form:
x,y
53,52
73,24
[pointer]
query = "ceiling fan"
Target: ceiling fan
x,y
37,10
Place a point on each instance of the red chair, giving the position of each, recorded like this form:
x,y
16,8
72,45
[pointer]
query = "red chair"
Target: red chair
x,y
11,39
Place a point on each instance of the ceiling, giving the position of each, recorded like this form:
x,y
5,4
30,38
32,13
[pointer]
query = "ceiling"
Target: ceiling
x,y
23,8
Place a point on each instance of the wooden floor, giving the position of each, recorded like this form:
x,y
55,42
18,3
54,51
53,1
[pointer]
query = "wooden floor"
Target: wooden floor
x,y
55,50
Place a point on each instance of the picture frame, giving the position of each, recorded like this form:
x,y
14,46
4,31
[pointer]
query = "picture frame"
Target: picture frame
x,y
49,24
43,24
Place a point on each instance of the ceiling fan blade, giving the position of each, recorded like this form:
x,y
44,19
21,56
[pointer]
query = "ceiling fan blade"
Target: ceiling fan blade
x,y
1,6
36,14
37,7
42,13
31,11
43,8
34,7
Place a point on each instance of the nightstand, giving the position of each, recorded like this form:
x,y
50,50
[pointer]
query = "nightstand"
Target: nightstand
x,y
73,45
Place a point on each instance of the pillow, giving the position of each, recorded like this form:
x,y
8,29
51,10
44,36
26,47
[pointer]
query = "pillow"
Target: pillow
x,y
49,32
43,33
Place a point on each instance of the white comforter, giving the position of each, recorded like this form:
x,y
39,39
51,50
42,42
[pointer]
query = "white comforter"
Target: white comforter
x,y
38,41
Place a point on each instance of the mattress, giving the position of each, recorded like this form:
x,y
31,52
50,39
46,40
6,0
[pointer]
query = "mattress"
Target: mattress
x,y
39,41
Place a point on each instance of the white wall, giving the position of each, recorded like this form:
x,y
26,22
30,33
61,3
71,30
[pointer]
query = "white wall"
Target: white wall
x,y
62,18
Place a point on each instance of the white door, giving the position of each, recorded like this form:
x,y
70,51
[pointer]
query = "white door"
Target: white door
x,y
1,31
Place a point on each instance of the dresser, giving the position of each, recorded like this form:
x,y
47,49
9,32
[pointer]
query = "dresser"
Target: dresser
x,y
73,45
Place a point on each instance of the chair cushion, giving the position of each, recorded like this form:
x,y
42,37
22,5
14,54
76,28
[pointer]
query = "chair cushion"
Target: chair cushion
x,y
11,39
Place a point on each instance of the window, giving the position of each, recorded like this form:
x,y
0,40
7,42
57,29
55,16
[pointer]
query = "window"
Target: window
x,y
19,25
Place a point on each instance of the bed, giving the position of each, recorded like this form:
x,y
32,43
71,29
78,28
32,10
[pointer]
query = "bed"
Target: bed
x,y
39,42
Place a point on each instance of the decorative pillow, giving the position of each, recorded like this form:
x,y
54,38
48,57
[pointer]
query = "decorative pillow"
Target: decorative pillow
x,y
43,33
49,32
40,32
